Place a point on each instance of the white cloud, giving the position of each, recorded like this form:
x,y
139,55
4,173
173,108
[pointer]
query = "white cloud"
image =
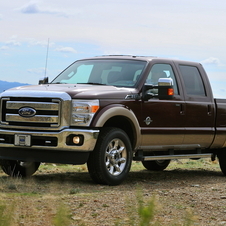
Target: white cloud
x,y
37,71
66,50
212,61
12,42
43,43
33,8
4,48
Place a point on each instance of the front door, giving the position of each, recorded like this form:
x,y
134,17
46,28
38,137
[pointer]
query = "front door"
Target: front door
x,y
162,125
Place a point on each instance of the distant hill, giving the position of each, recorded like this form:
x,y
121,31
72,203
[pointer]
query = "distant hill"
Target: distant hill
x,y
7,85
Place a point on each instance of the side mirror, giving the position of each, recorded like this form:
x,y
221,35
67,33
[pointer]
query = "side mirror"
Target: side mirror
x,y
165,87
45,80
164,90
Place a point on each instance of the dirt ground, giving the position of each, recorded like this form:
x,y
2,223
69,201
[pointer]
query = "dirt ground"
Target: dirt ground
x,y
200,192
184,190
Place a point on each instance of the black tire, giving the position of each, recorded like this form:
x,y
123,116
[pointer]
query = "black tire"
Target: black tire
x,y
109,163
156,165
19,168
222,160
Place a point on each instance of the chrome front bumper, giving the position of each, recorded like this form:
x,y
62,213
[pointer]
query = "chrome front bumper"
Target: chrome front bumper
x,y
49,140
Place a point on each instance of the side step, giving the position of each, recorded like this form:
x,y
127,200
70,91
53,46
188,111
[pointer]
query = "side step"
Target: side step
x,y
166,157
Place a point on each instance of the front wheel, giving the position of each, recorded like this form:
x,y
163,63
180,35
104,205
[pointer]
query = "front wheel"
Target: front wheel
x,y
15,168
156,165
110,161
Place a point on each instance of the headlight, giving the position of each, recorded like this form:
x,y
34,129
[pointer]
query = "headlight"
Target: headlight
x,y
83,111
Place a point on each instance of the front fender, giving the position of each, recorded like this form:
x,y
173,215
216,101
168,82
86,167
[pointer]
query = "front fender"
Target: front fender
x,y
118,110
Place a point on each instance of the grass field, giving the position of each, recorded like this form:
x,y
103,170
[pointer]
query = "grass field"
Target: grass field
x,y
65,195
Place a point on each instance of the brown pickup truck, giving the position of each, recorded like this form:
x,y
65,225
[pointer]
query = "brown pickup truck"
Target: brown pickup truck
x,y
107,111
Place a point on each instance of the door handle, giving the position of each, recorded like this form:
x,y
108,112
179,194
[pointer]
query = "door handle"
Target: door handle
x,y
181,108
209,110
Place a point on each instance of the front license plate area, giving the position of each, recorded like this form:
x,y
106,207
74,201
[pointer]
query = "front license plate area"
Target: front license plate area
x,y
22,140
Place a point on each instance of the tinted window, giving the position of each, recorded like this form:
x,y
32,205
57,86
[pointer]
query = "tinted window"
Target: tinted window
x,y
192,80
162,71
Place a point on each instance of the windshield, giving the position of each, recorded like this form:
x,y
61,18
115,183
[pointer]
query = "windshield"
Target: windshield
x,y
121,73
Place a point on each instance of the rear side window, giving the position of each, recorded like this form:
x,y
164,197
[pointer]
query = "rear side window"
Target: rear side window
x,y
192,80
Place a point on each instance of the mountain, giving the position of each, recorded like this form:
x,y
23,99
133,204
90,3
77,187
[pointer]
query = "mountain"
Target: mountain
x,y
7,85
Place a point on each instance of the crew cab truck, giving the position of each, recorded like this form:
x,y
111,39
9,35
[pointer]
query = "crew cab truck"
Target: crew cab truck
x,y
108,111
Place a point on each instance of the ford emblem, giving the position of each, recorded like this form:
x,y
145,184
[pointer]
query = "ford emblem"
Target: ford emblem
x,y
27,112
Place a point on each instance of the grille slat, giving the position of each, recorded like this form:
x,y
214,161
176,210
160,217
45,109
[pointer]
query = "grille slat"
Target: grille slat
x,y
38,106
36,118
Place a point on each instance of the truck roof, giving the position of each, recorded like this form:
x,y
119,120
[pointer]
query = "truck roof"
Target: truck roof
x,y
145,58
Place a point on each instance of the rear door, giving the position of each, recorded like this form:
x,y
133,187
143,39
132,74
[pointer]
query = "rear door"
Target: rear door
x,y
199,106
162,125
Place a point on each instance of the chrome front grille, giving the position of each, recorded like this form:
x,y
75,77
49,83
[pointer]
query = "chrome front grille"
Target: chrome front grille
x,y
46,112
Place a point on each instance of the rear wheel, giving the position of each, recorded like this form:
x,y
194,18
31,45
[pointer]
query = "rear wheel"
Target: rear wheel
x,y
156,165
19,168
110,161
222,160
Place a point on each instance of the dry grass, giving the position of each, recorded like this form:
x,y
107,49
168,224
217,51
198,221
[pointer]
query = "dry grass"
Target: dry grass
x,y
65,195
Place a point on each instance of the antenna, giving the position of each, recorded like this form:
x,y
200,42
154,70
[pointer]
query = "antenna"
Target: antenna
x,y
47,53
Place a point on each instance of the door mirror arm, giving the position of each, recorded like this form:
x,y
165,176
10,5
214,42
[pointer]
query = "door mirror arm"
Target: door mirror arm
x,y
45,80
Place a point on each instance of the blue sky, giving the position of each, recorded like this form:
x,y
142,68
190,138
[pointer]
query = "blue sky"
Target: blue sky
x,y
183,29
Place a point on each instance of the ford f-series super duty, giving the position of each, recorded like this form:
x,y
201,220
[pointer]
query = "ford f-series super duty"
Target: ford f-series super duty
x,y
108,111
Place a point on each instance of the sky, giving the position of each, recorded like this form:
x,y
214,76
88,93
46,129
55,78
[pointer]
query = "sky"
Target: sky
x,y
191,30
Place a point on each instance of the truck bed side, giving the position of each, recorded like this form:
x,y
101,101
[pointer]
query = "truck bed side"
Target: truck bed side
x,y
220,138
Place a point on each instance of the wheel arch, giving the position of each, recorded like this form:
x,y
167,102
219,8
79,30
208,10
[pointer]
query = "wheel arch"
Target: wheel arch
x,y
123,118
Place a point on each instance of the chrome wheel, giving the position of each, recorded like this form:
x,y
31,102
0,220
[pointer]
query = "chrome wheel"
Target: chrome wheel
x,y
110,161
116,156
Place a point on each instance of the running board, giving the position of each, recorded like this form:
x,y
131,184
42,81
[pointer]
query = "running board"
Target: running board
x,y
166,157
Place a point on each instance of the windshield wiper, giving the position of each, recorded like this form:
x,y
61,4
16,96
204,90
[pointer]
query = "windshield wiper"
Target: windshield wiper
x,y
91,83
58,83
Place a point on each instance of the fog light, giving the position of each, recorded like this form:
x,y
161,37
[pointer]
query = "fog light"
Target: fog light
x,y
76,140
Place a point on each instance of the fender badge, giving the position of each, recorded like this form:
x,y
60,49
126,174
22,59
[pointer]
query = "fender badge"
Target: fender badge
x,y
148,121
27,112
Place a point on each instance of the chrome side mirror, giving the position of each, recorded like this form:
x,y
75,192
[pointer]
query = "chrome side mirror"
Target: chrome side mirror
x,y
165,87
165,82
163,91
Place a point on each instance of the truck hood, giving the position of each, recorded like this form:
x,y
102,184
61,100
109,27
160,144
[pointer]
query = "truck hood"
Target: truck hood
x,y
74,90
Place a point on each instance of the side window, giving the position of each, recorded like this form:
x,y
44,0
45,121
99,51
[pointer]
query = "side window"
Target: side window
x,y
162,71
192,80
